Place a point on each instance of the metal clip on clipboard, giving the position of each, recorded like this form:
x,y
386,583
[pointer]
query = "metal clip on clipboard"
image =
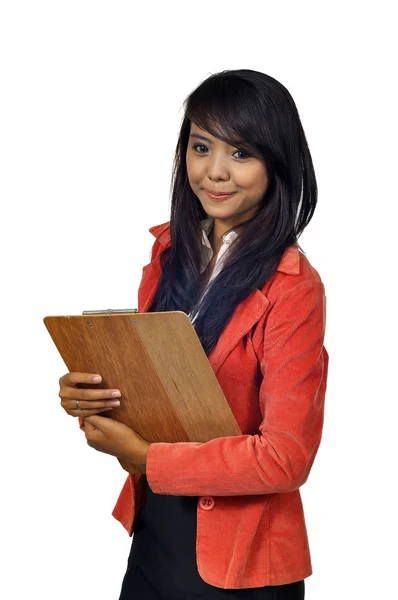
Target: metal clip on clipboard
x,y
110,311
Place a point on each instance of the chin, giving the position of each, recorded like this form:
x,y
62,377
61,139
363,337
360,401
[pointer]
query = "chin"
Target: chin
x,y
219,210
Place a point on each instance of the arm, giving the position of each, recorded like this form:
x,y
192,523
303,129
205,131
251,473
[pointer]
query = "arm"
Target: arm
x,y
294,367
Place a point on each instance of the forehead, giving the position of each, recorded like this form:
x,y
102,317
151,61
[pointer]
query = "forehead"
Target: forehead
x,y
195,129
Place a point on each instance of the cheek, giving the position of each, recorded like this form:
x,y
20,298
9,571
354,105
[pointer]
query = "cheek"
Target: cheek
x,y
253,179
193,171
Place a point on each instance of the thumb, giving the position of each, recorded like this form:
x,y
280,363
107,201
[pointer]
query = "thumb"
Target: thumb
x,y
97,422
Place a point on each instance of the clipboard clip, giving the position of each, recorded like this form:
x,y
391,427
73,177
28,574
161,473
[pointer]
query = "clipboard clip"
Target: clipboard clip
x,y
110,311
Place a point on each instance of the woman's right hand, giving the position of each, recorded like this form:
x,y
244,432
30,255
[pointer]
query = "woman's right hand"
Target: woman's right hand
x,y
90,401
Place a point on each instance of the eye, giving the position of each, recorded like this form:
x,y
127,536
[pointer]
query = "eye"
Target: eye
x,y
200,148
242,152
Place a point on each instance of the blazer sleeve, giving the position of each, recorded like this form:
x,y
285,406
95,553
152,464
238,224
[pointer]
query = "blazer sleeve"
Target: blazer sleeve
x,y
294,366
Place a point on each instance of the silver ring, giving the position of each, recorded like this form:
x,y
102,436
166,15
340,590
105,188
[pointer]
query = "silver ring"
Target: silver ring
x,y
77,403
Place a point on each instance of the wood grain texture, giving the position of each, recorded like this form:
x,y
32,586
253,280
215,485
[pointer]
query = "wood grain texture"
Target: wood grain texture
x,y
169,390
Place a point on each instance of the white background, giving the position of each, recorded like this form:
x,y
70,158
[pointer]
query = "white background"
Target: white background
x,y
91,102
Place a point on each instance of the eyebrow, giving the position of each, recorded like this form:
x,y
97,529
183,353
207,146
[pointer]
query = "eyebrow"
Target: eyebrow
x,y
208,140
200,137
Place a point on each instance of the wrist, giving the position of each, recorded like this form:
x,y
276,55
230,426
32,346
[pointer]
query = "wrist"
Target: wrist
x,y
141,458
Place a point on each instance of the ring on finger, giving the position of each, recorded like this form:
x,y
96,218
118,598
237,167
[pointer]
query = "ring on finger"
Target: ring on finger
x,y
77,404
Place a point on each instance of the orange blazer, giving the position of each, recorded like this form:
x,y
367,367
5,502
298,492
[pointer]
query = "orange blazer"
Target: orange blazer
x,y
272,366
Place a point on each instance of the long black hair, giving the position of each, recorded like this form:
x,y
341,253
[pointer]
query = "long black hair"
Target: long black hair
x,y
254,112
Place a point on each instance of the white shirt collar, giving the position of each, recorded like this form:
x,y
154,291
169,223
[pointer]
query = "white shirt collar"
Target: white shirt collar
x,y
207,226
207,250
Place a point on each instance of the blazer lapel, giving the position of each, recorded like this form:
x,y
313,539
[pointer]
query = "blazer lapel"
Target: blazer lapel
x,y
245,316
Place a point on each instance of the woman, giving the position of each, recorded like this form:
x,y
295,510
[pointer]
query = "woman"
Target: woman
x,y
224,519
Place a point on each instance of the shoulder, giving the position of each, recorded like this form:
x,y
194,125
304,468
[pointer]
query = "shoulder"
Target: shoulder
x,y
158,230
162,237
294,275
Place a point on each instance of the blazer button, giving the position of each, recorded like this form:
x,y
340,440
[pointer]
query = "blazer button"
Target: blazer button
x,y
206,502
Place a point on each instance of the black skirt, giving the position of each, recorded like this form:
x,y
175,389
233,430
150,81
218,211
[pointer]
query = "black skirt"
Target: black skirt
x,y
162,560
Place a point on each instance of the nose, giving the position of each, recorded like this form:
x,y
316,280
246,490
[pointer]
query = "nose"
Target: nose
x,y
217,168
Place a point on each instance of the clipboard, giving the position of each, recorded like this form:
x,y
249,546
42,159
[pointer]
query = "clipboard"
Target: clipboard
x,y
169,392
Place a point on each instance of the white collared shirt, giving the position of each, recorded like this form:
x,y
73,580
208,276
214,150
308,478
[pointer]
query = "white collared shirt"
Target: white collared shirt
x,y
207,253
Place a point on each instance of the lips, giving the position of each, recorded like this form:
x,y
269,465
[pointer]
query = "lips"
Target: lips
x,y
219,195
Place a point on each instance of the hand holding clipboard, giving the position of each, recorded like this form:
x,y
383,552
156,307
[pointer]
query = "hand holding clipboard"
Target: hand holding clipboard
x,y
169,390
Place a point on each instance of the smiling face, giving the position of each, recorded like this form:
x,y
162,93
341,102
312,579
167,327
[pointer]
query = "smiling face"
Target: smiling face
x,y
215,166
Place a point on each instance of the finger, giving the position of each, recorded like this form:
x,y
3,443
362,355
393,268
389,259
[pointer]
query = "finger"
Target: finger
x,y
94,421
87,413
70,393
89,428
98,422
85,404
74,377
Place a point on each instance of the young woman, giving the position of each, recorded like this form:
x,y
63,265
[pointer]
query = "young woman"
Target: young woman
x,y
224,519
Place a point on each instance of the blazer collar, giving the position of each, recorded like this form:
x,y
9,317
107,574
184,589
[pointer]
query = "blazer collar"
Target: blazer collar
x,y
289,263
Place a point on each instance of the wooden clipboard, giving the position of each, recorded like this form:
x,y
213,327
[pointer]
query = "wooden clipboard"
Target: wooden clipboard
x,y
169,390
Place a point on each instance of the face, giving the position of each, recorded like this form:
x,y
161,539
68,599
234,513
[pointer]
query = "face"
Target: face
x,y
215,166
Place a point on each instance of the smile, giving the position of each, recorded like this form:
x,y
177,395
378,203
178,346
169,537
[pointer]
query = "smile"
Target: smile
x,y
217,196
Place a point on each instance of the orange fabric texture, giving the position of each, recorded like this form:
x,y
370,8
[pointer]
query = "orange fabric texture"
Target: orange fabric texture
x,y
272,366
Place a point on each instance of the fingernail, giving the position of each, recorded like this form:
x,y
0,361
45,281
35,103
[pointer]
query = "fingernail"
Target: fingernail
x,y
97,378
116,393
114,402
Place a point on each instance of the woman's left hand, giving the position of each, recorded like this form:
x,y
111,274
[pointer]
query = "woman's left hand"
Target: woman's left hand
x,y
110,436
